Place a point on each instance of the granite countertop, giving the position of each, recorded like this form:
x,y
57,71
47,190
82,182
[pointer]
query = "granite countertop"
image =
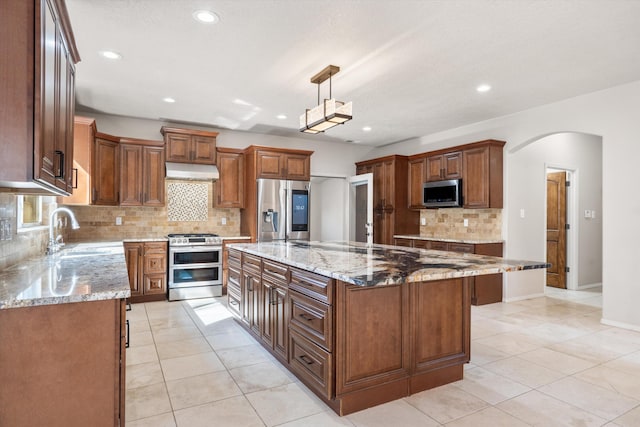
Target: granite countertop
x,y
378,265
440,239
80,272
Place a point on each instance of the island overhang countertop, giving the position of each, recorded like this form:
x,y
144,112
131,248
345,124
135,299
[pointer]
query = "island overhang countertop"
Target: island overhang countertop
x,y
378,265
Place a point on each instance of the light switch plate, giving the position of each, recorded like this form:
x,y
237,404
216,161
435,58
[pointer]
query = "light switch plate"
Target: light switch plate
x,y
223,221
423,221
118,220
521,213
466,222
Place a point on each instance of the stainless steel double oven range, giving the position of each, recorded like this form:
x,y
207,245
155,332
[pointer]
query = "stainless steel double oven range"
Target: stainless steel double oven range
x,y
195,266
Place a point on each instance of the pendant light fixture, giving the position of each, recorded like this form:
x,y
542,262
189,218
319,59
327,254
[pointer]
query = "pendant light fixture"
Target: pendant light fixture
x,y
328,114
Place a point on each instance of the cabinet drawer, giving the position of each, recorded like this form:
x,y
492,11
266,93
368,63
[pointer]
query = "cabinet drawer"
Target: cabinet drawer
x,y
313,285
251,262
438,246
421,244
233,279
155,248
154,284
276,272
403,242
312,364
461,247
235,256
312,319
155,263
233,302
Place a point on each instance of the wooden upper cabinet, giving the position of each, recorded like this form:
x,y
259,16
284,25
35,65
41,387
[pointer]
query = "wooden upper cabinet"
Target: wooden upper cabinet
x,y
105,170
229,189
416,176
482,177
281,164
141,172
84,130
190,145
444,166
37,72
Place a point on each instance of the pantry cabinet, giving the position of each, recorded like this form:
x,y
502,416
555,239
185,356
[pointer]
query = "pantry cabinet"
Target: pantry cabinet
x,y
190,145
391,213
37,96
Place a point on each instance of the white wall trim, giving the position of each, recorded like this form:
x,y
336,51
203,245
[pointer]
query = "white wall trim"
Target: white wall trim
x,y
524,297
622,325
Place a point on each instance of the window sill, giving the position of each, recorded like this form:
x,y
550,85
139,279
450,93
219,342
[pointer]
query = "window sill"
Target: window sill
x,y
34,228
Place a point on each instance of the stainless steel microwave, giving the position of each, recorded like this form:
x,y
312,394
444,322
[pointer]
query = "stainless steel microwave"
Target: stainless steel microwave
x,y
442,194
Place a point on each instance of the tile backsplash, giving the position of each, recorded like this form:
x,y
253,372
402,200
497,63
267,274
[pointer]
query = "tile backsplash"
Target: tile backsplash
x,y
449,223
187,201
98,223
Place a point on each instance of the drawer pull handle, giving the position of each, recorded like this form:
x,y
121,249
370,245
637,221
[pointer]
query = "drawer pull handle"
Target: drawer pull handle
x,y
306,359
306,317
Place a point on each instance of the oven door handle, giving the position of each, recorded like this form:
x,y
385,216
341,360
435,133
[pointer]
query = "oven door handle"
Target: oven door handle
x,y
182,249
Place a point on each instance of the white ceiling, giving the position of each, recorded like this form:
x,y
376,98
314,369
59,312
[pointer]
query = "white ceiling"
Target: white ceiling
x,y
410,67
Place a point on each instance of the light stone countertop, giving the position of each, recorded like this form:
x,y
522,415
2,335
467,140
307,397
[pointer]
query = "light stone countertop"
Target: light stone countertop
x,y
439,239
378,265
149,239
79,272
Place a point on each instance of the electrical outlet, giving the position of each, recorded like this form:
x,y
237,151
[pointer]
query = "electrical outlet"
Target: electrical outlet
x,y
118,220
466,222
423,221
521,213
223,221
587,214
593,214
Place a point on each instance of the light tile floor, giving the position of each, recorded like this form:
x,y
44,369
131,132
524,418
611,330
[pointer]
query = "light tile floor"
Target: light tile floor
x,y
541,362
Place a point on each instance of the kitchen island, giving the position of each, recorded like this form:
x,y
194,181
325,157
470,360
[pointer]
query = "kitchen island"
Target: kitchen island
x,y
360,325
62,335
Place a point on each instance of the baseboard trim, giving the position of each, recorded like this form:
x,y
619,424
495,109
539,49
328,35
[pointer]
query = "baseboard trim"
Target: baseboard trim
x,y
522,298
622,325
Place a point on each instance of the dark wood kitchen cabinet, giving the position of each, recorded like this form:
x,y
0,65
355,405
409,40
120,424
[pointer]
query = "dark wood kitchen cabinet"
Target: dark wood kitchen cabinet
x,y
70,358
391,213
229,188
274,319
84,131
482,175
190,145
226,263
283,164
479,164
251,285
141,172
443,166
105,170
147,269
485,289
232,266
37,95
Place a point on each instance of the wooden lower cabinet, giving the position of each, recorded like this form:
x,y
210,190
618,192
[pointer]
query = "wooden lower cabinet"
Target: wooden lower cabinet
x,y
63,365
354,346
485,289
147,268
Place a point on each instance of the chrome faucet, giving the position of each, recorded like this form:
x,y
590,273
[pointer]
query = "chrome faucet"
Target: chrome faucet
x,y
56,243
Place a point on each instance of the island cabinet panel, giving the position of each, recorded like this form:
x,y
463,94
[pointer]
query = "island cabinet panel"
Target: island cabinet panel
x,y
232,266
312,364
251,292
440,306
274,321
63,364
311,319
372,336
234,262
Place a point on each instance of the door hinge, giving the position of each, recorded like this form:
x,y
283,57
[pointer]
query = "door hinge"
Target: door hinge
x,y
567,183
567,227
567,269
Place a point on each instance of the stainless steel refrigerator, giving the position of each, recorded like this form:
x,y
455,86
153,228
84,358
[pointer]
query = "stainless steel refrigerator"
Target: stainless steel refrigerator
x,y
283,210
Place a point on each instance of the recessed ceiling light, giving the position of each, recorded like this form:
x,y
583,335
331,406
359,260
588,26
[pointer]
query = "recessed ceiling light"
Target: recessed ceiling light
x,y
109,54
169,100
483,88
281,116
367,129
206,16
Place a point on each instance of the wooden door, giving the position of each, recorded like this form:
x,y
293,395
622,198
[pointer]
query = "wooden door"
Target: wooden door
x,y
153,176
475,183
133,257
452,163
269,165
280,322
105,172
230,187
556,229
130,175
435,168
178,148
416,179
204,149
298,167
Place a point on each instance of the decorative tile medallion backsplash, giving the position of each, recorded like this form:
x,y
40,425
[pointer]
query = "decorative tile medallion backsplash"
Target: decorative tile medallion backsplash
x,y
187,201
